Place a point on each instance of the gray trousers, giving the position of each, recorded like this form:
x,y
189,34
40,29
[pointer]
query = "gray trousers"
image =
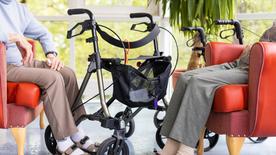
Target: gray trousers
x,y
59,90
192,100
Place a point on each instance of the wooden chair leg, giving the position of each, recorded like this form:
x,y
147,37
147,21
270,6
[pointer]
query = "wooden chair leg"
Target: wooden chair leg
x,y
41,120
19,135
234,144
200,147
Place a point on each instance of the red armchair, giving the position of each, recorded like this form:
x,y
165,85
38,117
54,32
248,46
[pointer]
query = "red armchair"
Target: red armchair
x,y
241,111
19,104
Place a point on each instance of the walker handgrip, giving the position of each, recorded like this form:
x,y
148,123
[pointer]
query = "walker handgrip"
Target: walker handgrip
x,y
187,28
141,15
200,30
225,22
237,26
80,11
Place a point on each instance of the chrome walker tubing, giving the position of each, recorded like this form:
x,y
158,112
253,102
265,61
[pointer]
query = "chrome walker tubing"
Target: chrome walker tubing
x,y
98,67
101,92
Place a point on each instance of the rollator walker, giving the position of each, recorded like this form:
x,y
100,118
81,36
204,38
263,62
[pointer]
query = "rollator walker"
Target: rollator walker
x,y
136,88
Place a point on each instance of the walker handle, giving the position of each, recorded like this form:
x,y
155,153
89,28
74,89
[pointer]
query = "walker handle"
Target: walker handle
x,y
80,11
141,15
236,24
200,30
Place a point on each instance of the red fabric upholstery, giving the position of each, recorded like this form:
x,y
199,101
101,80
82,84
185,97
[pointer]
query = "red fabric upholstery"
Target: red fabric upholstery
x,y
22,105
230,123
23,94
21,116
218,53
230,98
256,120
3,87
12,89
176,75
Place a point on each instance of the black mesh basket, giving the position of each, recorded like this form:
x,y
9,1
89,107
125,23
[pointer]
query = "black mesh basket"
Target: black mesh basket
x,y
142,87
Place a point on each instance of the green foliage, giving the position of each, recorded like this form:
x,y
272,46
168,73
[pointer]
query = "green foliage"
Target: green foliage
x,y
198,12
47,7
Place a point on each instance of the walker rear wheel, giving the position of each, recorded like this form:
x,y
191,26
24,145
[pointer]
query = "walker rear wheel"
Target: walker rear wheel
x,y
50,140
210,140
108,147
160,140
257,139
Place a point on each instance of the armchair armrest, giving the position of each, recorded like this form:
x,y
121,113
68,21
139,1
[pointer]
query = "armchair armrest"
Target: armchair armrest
x,y
3,87
218,52
262,88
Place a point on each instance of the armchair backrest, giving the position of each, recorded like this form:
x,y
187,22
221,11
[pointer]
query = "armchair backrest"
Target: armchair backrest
x,y
3,86
262,88
3,83
219,52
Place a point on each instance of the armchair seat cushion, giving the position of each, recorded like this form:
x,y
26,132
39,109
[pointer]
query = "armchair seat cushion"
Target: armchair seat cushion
x,y
23,94
230,98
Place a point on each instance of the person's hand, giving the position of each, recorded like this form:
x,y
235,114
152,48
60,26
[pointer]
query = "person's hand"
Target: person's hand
x,y
24,47
54,62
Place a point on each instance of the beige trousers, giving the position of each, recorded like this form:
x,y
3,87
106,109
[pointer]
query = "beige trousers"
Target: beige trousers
x,y
59,90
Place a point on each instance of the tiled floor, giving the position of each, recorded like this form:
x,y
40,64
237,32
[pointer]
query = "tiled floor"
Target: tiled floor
x,y
143,139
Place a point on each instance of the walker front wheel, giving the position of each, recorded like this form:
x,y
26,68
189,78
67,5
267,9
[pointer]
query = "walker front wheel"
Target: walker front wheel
x,y
50,140
109,147
130,126
159,118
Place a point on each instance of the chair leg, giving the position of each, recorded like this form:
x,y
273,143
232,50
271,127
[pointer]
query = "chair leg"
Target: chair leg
x,y
234,144
200,147
19,135
41,120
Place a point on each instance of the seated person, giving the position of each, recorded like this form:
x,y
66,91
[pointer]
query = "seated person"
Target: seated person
x,y
58,83
192,99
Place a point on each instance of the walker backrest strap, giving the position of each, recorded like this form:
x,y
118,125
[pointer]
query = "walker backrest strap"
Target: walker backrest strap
x,y
135,44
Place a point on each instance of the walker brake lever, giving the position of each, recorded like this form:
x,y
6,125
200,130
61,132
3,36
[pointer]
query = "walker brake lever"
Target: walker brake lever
x,y
226,36
149,27
86,25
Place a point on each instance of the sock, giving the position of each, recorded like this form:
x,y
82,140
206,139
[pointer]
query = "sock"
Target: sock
x,y
171,147
185,150
78,136
64,144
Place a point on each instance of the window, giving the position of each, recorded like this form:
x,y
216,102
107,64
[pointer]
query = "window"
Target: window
x,y
254,29
255,6
58,29
139,3
256,17
48,7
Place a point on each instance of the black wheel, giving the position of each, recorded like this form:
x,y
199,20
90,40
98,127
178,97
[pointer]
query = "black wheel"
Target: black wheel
x,y
130,126
50,140
159,118
160,140
210,140
257,139
107,148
